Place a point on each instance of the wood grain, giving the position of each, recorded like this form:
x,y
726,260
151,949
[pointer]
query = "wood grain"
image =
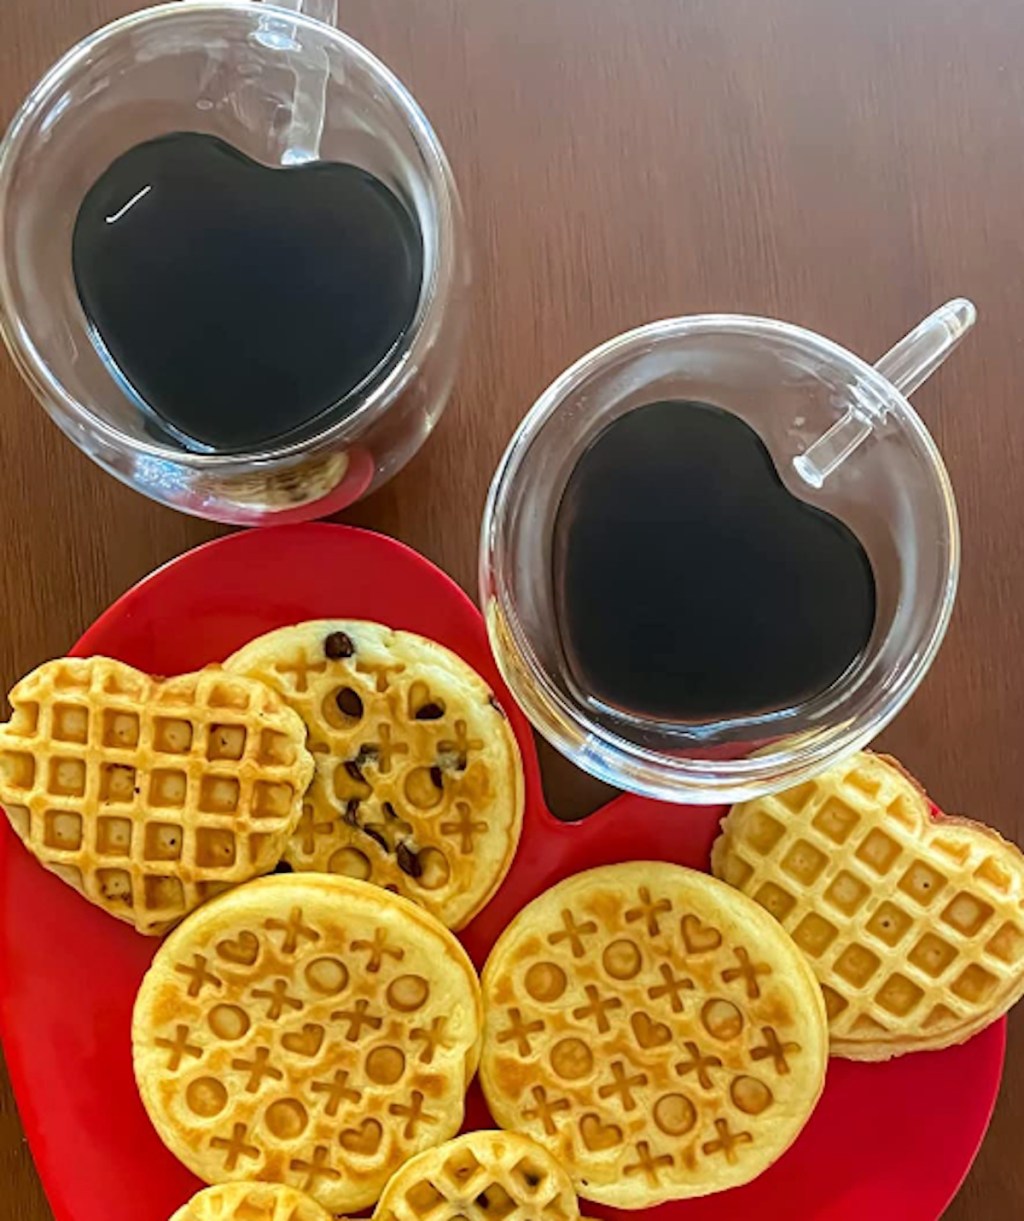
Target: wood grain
x,y
844,166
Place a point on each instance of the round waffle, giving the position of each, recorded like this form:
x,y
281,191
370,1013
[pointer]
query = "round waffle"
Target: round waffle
x,y
419,784
482,1176
251,1202
661,1038
149,796
310,1030
914,925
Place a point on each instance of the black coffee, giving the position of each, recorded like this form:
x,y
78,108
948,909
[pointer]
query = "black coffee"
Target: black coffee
x,y
238,301
690,584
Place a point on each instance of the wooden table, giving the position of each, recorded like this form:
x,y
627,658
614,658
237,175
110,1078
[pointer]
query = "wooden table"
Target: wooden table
x,y
843,166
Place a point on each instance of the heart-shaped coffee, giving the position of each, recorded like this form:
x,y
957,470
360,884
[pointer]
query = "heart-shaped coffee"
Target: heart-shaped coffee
x,y
241,301
690,584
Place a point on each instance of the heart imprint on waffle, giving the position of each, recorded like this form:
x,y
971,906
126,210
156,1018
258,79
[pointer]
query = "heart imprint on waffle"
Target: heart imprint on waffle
x,y
914,925
309,1030
150,796
660,1039
251,1202
419,783
482,1176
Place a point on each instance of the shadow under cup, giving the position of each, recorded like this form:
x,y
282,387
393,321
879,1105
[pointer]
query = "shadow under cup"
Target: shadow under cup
x,y
790,385
282,89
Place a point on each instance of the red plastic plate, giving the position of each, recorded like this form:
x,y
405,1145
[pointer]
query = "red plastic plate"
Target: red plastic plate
x,y
888,1141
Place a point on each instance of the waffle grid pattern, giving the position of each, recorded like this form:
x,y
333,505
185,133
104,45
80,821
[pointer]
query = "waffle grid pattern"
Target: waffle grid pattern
x,y
910,926
483,1176
150,797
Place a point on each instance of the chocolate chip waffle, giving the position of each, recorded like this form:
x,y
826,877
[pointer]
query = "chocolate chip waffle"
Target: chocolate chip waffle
x,y
309,1030
914,926
659,1038
251,1202
419,783
149,796
482,1176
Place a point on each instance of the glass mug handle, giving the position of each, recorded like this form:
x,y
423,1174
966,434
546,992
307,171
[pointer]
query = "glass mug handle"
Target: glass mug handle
x,y
305,130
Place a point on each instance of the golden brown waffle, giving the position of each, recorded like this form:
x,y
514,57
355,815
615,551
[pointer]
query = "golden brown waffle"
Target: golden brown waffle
x,y
251,1202
660,1038
482,1176
149,796
310,1030
913,925
419,784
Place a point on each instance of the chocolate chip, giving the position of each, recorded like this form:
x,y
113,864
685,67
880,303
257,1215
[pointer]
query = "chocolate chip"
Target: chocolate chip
x,y
408,861
366,754
283,867
497,707
349,703
532,1180
482,1200
389,810
351,815
353,770
429,712
339,645
376,836
435,775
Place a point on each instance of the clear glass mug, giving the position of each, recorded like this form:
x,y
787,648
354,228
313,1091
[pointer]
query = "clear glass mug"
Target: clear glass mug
x,y
283,87
843,438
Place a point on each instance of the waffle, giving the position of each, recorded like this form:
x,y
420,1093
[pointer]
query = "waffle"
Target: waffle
x,y
419,784
658,1037
149,796
482,1176
310,1030
251,1202
914,926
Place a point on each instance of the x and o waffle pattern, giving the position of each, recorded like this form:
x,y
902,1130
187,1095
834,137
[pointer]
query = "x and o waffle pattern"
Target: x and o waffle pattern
x,y
658,1037
251,1202
418,784
310,1030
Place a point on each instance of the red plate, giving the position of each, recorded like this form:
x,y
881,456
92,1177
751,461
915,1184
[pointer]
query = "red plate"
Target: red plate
x,y
890,1141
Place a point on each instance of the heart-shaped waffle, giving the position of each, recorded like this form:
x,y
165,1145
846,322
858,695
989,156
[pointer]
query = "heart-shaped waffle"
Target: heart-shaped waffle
x,y
251,1202
481,1176
149,796
658,1038
913,924
419,783
310,1030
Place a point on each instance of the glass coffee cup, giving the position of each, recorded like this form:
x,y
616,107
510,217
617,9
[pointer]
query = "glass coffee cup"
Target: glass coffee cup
x,y
843,439
284,88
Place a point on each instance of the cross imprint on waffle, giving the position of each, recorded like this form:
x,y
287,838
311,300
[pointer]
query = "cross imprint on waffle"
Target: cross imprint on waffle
x,y
726,1142
775,1050
337,1091
294,930
622,1085
432,1037
545,1109
519,1031
597,1007
648,910
747,972
235,1146
378,950
299,670
357,1018
257,1068
647,1164
379,672
317,1167
458,749
179,1047
413,1114
198,974
465,827
699,1063
279,998
573,933
671,986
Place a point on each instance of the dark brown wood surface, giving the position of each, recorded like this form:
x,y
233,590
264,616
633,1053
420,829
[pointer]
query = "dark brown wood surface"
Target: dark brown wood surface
x,y
846,166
